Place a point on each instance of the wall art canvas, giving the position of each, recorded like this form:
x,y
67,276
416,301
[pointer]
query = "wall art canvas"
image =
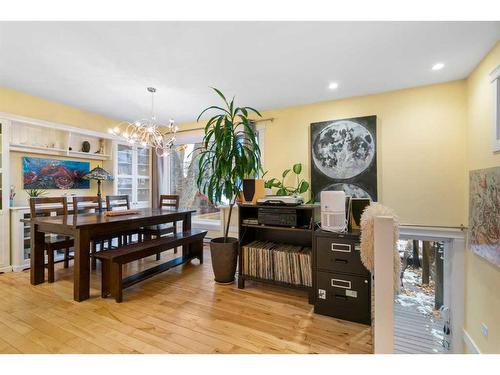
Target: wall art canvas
x,y
344,157
484,214
54,174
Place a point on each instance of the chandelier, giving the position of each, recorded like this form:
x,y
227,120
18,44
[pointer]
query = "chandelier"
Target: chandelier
x,y
147,132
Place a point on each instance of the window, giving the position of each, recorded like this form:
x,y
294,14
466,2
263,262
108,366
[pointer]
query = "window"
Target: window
x,y
494,78
181,173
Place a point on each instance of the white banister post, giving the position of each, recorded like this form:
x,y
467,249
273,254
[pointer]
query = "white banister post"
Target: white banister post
x,y
383,340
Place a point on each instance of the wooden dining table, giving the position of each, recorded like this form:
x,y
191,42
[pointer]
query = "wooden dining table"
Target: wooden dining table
x,y
84,228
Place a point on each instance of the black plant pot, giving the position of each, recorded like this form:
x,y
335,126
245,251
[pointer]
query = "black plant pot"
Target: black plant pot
x,y
224,258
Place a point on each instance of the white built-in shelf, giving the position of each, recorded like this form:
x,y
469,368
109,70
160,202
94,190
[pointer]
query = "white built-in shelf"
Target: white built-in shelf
x,y
57,139
88,155
57,151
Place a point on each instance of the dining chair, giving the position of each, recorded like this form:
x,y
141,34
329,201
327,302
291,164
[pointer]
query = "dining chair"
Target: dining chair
x,y
52,206
117,201
114,202
159,230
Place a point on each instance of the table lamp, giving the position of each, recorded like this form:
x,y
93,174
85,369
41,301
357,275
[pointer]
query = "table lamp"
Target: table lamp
x,y
99,175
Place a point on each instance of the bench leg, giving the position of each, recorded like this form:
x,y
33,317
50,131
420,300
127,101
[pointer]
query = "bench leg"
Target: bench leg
x,y
50,264
66,257
158,256
105,278
199,250
116,281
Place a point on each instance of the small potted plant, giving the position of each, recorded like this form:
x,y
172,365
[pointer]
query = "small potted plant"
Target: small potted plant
x,y
230,153
301,186
35,193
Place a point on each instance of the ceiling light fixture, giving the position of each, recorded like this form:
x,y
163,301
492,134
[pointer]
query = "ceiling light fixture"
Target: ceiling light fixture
x,y
333,85
438,66
147,132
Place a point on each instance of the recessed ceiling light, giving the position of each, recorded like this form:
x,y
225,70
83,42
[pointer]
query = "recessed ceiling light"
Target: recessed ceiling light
x,y
333,85
438,66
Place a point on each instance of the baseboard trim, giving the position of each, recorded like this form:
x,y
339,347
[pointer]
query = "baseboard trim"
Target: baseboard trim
x,y
5,269
471,345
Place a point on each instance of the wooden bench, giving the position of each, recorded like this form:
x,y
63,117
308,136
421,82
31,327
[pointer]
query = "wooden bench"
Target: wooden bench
x,y
112,260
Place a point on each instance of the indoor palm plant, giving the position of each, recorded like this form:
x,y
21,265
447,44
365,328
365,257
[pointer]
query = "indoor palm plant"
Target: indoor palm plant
x,y
230,153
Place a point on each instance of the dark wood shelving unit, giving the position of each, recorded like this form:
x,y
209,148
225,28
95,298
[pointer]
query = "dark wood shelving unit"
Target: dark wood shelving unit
x,y
275,227
279,283
303,236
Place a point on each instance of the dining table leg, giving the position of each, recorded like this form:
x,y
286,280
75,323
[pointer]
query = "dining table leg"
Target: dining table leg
x,y
37,256
81,274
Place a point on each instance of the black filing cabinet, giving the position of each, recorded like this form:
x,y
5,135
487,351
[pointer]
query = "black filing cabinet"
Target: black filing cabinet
x,y
340,281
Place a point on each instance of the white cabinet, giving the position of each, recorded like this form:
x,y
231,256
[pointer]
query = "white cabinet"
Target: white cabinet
x,y
20,238
4,197
132,171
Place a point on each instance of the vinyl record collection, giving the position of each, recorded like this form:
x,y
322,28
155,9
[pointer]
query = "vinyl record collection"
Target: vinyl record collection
x,y
279,262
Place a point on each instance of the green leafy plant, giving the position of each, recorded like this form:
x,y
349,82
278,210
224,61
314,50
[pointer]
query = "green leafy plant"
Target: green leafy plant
x,y
35,193
301,187
230,153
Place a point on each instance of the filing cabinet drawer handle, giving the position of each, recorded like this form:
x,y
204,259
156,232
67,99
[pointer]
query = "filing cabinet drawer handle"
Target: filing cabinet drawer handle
x,y
340,250
338,283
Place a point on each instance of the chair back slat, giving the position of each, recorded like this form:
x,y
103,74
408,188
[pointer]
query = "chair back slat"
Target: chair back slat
x,y
48,206
117,201
88,208
169,200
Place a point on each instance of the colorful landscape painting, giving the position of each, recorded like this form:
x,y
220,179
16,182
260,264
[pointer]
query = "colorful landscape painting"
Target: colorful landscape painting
x,y
484,214
54,174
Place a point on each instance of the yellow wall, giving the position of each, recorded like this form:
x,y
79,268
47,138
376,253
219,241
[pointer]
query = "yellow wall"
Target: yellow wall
x,y
21,104
421,141
482,278
15,102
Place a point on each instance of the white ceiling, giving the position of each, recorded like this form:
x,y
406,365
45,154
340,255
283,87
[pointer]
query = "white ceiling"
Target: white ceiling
x,y
105,67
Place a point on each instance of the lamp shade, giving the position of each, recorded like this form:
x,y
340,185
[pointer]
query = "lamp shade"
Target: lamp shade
x,y
98,174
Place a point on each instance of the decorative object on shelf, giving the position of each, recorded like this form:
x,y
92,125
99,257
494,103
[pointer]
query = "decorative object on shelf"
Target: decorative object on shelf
x,y
98,174
301,187
12,194
343,157
35,193
484,214
223,166
101,147
147,132
85,146
253,189
54,174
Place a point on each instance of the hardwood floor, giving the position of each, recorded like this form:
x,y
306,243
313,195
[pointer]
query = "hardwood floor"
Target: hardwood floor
x,y
180,311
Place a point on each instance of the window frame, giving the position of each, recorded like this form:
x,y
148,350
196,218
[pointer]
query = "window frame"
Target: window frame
x,y
494,80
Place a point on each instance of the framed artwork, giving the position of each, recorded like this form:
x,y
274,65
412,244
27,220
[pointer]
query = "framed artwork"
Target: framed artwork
x,y
484,213
344,157
54,174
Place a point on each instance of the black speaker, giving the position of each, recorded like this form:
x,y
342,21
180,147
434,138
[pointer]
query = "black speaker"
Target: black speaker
x,y
253,189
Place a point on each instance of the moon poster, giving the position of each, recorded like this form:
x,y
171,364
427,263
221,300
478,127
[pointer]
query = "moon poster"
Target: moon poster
x,y
344,157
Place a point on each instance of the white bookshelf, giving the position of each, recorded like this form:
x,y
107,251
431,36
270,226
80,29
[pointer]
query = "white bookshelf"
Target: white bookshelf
x,y
41,137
